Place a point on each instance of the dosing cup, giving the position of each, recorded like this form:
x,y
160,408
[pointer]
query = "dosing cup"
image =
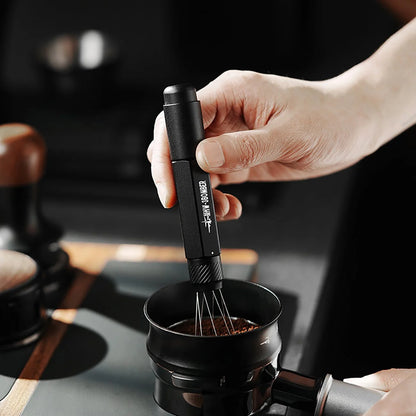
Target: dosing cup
x,y
200,374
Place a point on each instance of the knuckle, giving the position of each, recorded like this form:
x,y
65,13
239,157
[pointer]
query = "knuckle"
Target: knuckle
x,y
390,378
229,74
249,150
247,76
237,78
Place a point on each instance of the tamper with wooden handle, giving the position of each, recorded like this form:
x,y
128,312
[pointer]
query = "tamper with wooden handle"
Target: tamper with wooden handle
x,y
22,314
23,227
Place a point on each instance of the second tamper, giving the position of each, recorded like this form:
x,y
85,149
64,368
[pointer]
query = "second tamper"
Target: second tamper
x,y
22,314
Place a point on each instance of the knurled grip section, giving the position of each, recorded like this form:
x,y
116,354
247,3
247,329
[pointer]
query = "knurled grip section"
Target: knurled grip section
x,y
205,270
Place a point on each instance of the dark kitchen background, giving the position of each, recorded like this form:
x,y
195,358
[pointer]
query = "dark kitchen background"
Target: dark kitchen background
x,y
97,133
97,127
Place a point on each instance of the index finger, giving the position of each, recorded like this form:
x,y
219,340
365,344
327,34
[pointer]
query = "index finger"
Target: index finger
x,y
161,169
159,153
211,98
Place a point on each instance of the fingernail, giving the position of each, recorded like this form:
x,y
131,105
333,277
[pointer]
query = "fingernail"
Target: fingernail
x,y
210,154
161,191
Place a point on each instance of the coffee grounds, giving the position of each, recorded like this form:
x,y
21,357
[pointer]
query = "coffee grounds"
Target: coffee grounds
x,y
240,325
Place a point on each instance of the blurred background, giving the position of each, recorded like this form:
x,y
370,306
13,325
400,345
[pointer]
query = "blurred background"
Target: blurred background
x,y
96,106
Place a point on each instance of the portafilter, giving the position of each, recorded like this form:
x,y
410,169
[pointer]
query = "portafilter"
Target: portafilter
x,y
236,374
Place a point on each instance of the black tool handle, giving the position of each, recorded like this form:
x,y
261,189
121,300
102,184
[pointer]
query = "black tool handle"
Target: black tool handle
x,y
193,186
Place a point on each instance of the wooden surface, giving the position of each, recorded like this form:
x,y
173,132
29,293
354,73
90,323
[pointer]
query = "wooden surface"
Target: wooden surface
x,y
90,259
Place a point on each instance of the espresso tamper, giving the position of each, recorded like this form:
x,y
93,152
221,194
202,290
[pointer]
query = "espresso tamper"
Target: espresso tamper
x,y
23,226
22,313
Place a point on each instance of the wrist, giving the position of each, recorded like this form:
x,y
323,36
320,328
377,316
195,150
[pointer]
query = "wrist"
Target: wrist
x,y
387,83
354,95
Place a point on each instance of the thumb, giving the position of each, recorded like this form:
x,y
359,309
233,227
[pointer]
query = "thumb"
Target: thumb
x,y
235,151
384,380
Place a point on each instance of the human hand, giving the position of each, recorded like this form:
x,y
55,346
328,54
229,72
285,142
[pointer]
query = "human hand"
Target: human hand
x,y
262,127
400,385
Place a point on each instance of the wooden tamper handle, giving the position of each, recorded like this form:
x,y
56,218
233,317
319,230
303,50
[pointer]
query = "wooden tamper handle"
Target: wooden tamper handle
x,y
22,155
15,269
22,163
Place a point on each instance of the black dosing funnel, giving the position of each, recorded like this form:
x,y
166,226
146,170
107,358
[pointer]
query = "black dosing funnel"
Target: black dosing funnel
x,y
201,375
